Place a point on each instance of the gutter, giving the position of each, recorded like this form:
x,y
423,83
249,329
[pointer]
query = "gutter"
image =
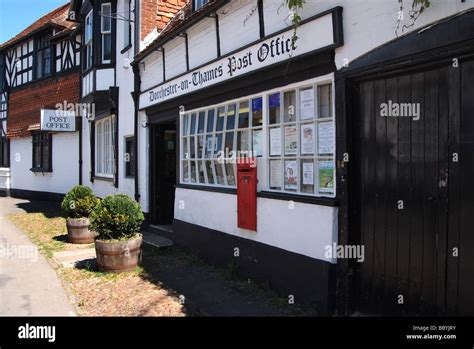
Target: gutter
x,y
136,95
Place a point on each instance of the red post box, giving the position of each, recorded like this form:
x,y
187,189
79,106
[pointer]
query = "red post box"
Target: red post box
x,y
247,193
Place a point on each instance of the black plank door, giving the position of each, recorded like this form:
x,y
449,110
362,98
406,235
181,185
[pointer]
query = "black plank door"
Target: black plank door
x,y
415,192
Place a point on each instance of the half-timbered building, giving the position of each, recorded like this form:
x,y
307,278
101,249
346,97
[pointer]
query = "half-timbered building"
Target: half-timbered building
x,y
40,77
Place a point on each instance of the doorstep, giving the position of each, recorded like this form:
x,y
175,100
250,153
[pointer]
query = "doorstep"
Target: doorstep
x,y
156,240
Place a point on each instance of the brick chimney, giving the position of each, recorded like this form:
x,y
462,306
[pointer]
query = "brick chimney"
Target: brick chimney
x,y
156,14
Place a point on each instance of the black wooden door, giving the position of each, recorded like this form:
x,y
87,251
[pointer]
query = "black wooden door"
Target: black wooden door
x,y
164,173
415,192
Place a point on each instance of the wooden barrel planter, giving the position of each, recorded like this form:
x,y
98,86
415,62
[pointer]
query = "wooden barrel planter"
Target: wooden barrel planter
x,y
78,231
118,256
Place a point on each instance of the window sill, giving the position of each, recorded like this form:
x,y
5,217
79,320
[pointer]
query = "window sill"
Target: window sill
x,y
207,188
105,179
323,201
41,170
126,48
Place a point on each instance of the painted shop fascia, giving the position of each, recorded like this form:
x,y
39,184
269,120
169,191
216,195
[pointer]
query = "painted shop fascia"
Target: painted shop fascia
x,y
242,88
40,73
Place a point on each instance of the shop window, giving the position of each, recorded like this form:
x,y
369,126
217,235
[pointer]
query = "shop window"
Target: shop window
x,y
42,152
104,147
129,157
106,31
302,145
88,41
291,130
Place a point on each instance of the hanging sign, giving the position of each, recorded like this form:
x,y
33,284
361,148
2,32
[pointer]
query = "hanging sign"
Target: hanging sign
x,y
58,120
312,35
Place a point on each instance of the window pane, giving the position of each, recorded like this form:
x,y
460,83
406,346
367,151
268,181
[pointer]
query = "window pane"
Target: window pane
x,y
325,101
185,125
37,155
289,102
105,18
209,146
202,119
243,114
218,144
185,174
229,141
230,117
219,174
45,155
307,109
291,140
185,148
192,148
229,168
193,172
200,151
257,115
220,119
274,108
107,47
210,175
275,174
210,120
193,124
291,175
307,176
202,168
257,142
243,141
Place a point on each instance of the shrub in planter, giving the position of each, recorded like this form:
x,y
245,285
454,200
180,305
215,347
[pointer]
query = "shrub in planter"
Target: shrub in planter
x,y
78,205
117,220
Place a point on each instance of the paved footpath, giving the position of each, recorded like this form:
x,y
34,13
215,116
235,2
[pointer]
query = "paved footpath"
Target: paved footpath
x,y
28,283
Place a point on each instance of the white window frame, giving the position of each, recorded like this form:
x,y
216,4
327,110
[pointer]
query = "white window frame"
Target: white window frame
x,y
105,32
263,162
105,147
88,35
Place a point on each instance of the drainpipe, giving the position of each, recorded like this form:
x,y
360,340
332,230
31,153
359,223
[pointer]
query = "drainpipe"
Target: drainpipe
x,y
136,94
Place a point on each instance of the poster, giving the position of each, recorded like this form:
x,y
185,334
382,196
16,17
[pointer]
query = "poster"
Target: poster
x,y
275,174
325,138
326,176
307,103
257,142
244,141
291,175
291,141
308,173
275,141
307,139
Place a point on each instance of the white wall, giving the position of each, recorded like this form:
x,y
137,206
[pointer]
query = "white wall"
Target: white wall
x,y
65,164
202,35
306,229
367,24
238,24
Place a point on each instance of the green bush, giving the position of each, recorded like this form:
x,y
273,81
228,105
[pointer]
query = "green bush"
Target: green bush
x,y
79,202
117,217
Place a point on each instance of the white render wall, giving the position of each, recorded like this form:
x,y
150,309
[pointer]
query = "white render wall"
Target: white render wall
x,y
305,229
65,164
125,81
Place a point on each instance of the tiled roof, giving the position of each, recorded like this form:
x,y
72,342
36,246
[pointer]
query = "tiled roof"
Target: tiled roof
x,y
57,17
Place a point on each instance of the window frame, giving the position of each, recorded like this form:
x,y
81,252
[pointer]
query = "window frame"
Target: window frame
x,y
127,25
129,166
105,158
264,160
197,4
105,33
41,139
4,151
88,40
43,54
